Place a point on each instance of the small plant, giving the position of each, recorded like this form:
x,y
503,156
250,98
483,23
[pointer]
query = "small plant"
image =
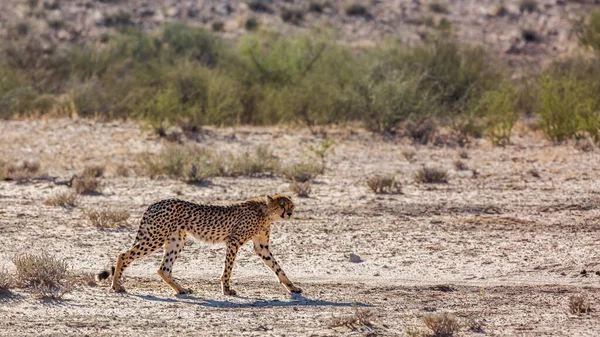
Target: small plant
x,y
218,26
119,18
322,151
584,144
438,7
460,165
316,7
528,6
499,107
104,219
6,282
420,132
85,184
301,172
191,164
384,184
464,154
442,325
360,318
20,171
63,199
431,175
357,10
46,275
95,171
301,189
578,305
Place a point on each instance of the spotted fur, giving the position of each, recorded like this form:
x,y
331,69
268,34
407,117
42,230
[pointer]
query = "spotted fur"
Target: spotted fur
x,y
167,222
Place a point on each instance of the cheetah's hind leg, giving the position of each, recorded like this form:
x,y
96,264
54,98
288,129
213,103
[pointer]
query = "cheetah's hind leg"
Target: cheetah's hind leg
x,y
139,249
172,247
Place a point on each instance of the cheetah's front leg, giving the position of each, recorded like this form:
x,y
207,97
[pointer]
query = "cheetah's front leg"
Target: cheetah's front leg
x,y
261,248
232,248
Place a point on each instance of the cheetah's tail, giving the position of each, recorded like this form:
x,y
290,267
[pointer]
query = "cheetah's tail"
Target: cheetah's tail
x,y
103,275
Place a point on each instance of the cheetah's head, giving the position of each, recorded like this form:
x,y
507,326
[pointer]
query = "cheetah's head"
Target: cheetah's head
x,y
280,206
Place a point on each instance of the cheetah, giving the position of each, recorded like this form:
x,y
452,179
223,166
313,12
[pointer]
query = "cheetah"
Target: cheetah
x,y
168,222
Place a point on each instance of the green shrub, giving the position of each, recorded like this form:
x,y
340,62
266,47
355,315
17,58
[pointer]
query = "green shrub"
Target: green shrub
x,y
589,31
191,164
300,172
499,108
250,163
568,106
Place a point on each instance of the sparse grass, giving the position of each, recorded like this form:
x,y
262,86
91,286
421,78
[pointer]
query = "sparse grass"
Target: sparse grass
x,y
47,276
442,325
63,199
259,162
20,171
578,305
384,184
528,6
191,164
360,318
302,190
196,165
301,172
6,282
431,175
104,219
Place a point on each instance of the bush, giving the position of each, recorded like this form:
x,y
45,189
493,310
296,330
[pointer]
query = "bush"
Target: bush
x,y
437,7
104,219
384,184
300,172
589,31
578,305
499,108
261,161
431,175
6,282
64,199
23,170
301,189
442,325
357,10
191,164
568,106
46,275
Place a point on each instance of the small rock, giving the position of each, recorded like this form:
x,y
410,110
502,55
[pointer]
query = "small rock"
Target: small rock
x,y
355,258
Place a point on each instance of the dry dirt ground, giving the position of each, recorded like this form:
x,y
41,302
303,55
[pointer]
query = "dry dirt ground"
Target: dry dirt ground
x,y
505,249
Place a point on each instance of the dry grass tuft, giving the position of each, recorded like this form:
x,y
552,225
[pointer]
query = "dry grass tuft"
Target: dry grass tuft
x,y
422,132
578,305
384,184
301,172
46,275
6,282
360,318
442,325
64,199
88,182
104,219
20,171
95,171
585,145
301,189
431,175
460,165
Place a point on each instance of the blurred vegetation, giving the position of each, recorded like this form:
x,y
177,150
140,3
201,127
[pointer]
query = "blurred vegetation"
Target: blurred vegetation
x,y
189,76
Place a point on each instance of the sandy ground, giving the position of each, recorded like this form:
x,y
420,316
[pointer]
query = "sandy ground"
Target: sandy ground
x,y
504,249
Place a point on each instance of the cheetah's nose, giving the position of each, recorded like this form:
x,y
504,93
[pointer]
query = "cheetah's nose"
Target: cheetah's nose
x,y
289,214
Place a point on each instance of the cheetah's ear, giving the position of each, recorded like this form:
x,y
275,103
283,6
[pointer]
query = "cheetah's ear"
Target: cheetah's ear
x,y
269,199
